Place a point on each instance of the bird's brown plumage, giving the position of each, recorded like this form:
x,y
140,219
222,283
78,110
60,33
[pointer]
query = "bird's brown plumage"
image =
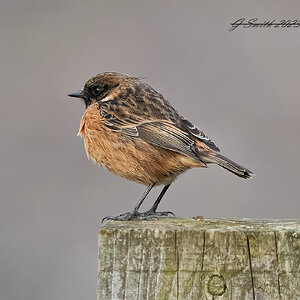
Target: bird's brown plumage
x,y
132,158
130,129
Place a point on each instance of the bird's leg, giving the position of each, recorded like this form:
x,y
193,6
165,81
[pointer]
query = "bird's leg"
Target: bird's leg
x,y
133,214
152,213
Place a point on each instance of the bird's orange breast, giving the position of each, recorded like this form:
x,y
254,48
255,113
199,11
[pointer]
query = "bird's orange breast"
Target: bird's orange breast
x,y
131,158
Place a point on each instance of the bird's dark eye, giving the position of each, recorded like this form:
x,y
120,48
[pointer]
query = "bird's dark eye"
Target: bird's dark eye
x,y
96,90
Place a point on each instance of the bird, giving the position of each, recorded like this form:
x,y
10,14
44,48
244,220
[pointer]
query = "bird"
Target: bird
x,y
133,131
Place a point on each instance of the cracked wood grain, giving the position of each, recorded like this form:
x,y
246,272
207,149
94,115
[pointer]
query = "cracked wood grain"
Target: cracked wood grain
x,y
199,259
250,267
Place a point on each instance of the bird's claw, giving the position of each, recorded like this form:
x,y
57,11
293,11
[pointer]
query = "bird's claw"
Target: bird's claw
x,y
156,214
122,217
147,215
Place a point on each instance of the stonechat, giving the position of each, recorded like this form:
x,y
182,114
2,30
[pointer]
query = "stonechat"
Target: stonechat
x,y
133,131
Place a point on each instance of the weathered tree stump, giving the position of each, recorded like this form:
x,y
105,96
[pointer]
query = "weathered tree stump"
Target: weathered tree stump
x,y
199,259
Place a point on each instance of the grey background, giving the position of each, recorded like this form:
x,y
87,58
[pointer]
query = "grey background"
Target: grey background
x,y
241,88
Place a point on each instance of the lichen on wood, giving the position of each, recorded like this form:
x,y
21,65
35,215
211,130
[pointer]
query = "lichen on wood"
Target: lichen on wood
x,y
199,259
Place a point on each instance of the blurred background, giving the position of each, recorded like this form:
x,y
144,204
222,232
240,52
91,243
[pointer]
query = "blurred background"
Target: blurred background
x,y
241,88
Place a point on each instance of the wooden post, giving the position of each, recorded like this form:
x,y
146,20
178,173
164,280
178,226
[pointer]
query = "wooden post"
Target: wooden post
x,y
199,259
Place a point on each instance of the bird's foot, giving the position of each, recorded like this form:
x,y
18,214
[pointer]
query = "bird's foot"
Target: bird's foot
x,y
147,215
123,217
152,214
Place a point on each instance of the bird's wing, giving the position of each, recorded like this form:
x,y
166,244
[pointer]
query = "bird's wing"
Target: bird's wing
x,y
196,132
159,127
158,132
166,135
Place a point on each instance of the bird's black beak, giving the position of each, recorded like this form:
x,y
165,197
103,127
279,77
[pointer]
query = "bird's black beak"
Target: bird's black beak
x,y
78,94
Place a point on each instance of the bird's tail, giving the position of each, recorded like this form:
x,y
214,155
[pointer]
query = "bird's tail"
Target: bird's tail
x,y
230,165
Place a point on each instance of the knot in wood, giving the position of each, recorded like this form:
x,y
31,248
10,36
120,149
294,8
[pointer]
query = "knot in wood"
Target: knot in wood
x,y
216,285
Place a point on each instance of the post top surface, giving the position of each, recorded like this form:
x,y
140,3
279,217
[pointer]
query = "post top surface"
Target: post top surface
x,y
207,224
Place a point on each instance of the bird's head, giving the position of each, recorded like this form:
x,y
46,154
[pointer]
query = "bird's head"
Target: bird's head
x,y
99,87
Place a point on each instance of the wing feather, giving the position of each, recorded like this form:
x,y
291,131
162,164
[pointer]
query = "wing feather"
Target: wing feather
x,y
196,132
162,127
167,136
